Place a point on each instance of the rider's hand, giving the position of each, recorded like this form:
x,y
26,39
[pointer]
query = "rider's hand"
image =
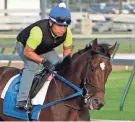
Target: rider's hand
x,y
48,65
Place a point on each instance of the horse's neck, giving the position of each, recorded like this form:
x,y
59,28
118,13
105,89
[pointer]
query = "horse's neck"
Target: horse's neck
x,y
79,64
58,90
73,74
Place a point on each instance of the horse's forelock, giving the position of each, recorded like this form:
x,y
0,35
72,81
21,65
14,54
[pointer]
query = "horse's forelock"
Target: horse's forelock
x,y
103,49
105,45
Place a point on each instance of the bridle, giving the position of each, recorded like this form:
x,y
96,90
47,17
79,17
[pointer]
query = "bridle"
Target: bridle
x,y
86,81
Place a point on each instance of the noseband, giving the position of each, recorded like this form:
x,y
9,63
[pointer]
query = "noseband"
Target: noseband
x,y
86,81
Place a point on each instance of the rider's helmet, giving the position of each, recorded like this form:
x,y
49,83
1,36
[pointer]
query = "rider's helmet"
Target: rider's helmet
x,y
60,15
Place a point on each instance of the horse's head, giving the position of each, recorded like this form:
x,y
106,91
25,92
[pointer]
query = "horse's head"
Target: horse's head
x,y
95,69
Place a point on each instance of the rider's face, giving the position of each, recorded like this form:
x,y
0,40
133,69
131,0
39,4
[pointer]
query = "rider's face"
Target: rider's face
x,y
59,30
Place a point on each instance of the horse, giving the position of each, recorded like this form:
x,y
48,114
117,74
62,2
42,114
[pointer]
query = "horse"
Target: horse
x,y
89,70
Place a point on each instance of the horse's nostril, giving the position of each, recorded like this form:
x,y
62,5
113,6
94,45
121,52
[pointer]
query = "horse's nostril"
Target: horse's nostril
x,y
100,105
96,101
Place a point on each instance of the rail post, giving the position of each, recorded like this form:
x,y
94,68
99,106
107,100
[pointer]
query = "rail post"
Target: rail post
x,y
127,88
13,52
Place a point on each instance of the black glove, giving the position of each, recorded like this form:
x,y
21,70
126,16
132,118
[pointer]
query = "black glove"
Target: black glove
x,y
48,65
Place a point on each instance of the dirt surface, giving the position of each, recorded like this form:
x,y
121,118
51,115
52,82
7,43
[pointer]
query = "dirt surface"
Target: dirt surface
x,y
21,65
122,67
13,64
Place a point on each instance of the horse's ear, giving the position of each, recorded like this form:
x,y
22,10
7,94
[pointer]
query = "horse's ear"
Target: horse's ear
x,y
111,49
94,44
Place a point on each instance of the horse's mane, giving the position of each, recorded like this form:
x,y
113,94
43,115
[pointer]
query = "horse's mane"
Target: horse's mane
x,y
102,49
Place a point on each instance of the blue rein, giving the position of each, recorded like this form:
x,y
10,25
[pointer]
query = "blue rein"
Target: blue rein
x,y
78,93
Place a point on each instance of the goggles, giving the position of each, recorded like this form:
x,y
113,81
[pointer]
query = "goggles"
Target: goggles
x,y
63,20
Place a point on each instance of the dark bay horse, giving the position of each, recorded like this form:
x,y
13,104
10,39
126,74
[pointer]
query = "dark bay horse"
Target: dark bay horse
x,y
89,71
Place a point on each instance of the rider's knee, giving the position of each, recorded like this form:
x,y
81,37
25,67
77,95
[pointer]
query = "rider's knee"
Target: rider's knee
x,y
32,66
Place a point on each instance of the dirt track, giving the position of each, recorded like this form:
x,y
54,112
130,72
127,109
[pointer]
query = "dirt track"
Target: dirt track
x,y
21,65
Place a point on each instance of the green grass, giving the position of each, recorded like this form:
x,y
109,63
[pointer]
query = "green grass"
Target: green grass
x,y
114,91
127,48
123,48
7,40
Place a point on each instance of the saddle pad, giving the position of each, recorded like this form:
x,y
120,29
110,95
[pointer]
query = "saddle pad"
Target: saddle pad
x,y
9,95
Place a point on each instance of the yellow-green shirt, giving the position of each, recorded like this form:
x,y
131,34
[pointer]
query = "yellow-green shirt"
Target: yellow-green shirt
x,y
36,35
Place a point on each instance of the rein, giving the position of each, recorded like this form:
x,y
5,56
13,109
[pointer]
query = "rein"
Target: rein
x,y
62,97
78,93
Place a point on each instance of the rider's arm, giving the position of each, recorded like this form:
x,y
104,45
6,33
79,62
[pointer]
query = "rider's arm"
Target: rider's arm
x,y
67,45
33,41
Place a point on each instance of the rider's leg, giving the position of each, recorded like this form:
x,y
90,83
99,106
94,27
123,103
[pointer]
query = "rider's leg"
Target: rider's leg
x,y
28,74
53,57
27,77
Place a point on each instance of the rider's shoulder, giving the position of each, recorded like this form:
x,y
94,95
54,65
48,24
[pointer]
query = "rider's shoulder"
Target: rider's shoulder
x,y
36,29
69,30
